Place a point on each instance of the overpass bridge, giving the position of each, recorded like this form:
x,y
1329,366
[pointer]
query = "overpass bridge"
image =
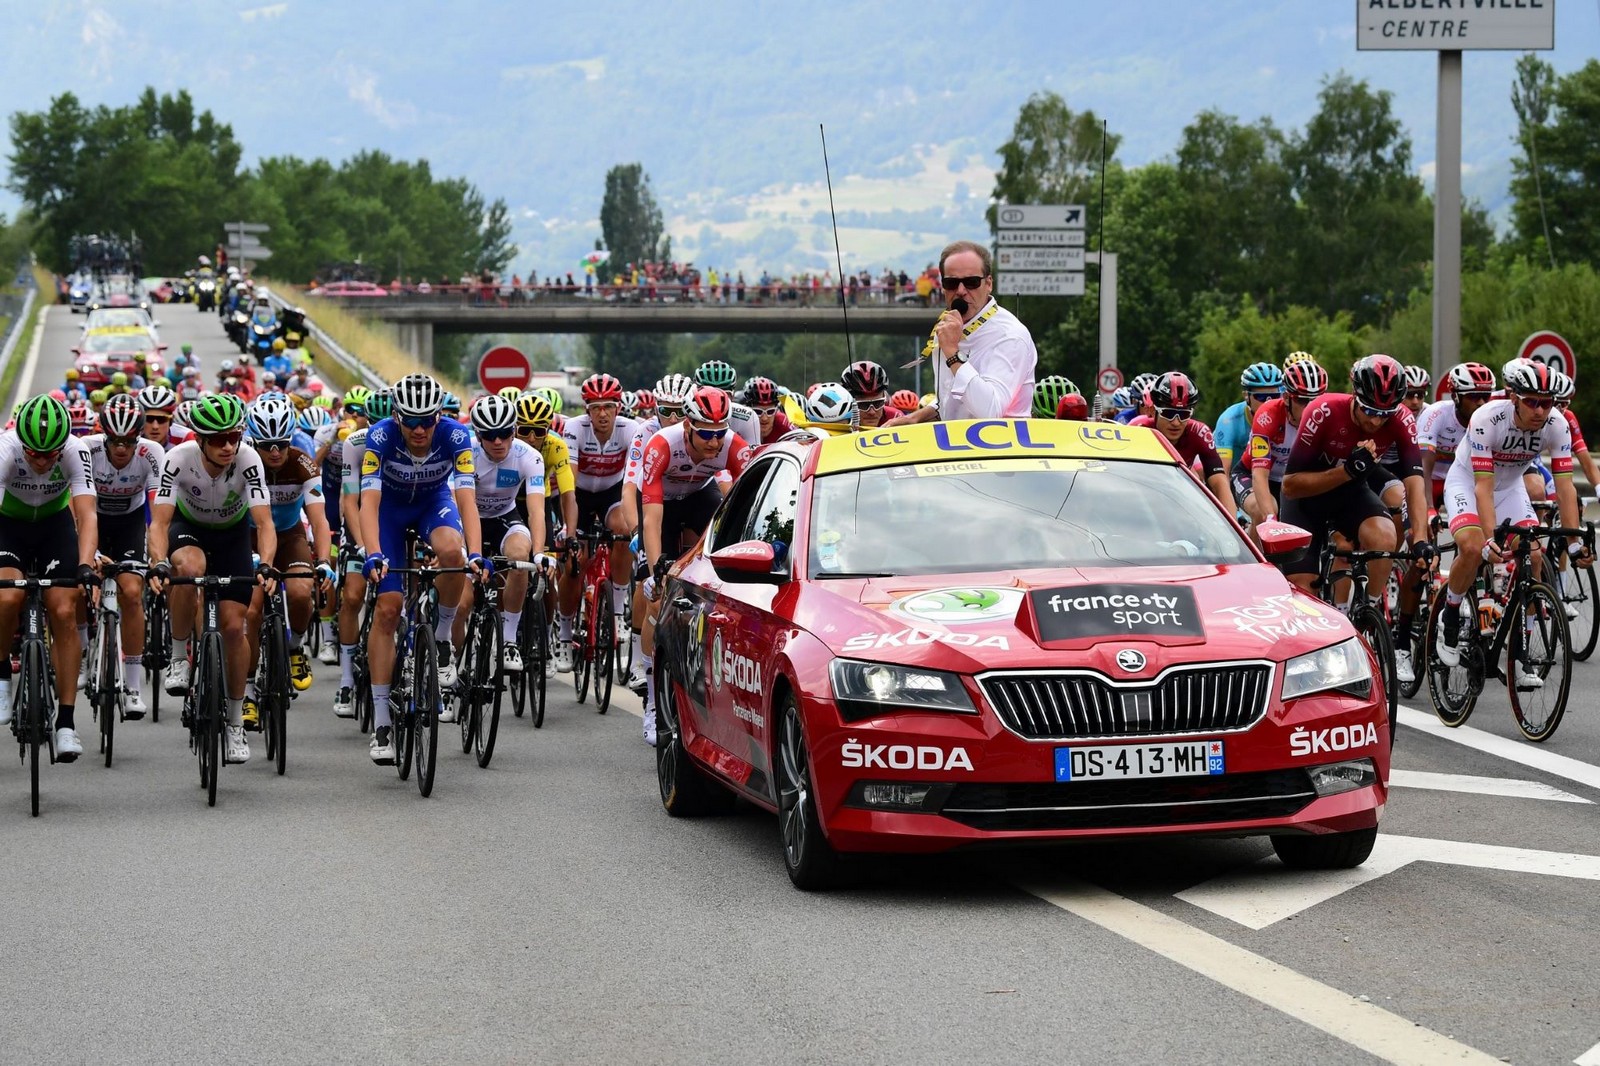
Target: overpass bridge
x,y
416,322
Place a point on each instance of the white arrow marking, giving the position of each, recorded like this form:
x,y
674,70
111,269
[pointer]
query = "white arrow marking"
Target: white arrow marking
x,y
1482,786
1504,747
1265,892
1588,1058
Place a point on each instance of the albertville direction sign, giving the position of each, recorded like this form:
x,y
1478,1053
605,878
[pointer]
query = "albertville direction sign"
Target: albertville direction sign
x,y
1455,25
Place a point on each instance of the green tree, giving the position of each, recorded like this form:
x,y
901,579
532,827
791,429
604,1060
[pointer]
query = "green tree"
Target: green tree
x,y
1053,156
1556,201
630,220
1230,339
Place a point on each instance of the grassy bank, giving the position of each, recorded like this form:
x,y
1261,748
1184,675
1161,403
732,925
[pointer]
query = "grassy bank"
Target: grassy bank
x,y
19,355
365,340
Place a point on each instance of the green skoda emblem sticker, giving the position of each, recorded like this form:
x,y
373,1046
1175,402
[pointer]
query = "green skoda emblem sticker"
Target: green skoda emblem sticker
x,y
956,606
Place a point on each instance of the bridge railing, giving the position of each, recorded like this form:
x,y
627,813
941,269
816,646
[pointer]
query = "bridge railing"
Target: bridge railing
x,y
776,294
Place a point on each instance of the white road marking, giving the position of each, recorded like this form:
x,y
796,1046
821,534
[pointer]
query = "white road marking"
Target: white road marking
x,y
25,382
1482,786
1518,751
1265,892
1588,1058
1355,1022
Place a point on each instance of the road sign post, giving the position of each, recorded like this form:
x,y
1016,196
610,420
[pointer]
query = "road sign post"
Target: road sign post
x,y
502,366
243,245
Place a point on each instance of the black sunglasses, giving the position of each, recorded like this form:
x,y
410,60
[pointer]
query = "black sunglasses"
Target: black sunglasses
x,y
1175,414
972,281
495,434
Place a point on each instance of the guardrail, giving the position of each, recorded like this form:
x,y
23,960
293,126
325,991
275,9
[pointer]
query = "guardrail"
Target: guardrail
x,y
352,364
8,346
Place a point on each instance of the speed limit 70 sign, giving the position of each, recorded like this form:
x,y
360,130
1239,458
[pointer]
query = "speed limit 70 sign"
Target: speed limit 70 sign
x,y
1550,348
1109,379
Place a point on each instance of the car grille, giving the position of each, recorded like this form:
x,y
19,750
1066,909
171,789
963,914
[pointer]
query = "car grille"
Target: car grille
x,y
1070,705
1180,801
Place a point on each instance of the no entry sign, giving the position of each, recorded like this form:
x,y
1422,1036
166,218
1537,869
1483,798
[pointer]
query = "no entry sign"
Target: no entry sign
x,y
504,366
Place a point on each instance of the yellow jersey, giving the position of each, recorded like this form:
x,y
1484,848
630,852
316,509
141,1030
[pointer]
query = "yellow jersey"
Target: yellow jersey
x,y
557,465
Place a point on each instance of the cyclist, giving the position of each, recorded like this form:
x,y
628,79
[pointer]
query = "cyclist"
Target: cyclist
x,y
1261,382
1326,483
720,375
1485,484
868,385
598,440
1048,392
679,494
73,389
209,487
1272,435
672,398
353,588
127,471
294,487
644,403
329,445
903,402
1139,397
534,417
48,504
277,364
1121,402
1580,448
417,473
1173,397
506,469
761,396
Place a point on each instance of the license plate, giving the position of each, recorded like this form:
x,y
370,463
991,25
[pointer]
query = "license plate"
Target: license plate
x,y
1193,758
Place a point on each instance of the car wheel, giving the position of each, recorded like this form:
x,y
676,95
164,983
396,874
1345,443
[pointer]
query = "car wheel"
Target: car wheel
x,y
1331,851
686,790
810,860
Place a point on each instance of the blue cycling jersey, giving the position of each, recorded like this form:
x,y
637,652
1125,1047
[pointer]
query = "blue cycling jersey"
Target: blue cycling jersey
x,y
388,465
1126,416
1232,434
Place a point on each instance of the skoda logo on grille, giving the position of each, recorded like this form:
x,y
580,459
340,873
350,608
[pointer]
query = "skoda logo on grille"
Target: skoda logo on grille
x,y
1130,660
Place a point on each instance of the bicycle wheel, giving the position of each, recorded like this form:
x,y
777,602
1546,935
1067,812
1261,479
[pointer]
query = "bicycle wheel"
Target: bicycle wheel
x,y
105,697
625,648
36,712
275,696
363,698
157,650
1374,629
583,650
1580,588
539,640
211,710
425,707
1455,689
1540,640
486,700
605,652
465,694
1419,649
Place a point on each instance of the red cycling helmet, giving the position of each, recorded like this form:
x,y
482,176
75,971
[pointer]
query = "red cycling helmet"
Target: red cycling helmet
x,y
601,388
761,392
1305,380
905,400
1378,383
709,404
1172,389
864,378
1073,407
1468,379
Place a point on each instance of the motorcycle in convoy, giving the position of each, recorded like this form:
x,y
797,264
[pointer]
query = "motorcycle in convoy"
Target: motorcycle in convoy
x,y
264,329
205,290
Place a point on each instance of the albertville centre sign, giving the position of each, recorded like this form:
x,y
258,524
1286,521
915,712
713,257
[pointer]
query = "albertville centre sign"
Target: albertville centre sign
x,y
1455,24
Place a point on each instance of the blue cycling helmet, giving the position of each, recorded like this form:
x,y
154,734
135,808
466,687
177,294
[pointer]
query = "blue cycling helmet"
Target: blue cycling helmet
x,y
1259,377
1122,399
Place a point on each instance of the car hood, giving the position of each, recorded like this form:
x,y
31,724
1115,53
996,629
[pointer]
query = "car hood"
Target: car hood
x,y
1079,617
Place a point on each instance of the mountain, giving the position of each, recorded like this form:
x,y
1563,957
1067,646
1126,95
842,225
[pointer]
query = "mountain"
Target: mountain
x,y
722,103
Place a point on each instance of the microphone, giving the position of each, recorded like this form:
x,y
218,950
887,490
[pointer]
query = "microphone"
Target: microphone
x,y
959,305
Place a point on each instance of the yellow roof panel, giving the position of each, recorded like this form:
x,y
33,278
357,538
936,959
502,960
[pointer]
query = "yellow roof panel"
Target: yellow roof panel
x,y
1022,438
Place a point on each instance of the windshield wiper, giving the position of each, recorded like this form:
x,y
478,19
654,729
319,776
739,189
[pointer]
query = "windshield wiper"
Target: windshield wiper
x,y
850,574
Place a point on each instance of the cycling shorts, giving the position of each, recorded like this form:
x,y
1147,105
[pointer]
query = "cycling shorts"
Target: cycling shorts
x,y
293,547
227,552
1244,488
426,515
599,503
122,537
1382,477
690,513
496,531
1461,501
46,549
1342,509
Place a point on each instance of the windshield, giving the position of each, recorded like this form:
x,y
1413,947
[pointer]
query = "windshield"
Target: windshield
x,y
117,342
114,317
1015,514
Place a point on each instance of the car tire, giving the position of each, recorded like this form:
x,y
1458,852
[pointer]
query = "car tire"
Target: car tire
x,y
686,790
1331,851
808,858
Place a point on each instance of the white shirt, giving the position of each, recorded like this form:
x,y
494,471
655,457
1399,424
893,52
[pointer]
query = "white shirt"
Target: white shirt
x,y
996,381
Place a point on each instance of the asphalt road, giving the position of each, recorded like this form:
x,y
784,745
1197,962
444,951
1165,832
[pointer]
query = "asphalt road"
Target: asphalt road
x,y
545,909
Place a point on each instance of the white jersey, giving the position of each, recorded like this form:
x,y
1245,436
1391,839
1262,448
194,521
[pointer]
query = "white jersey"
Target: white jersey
x,y
671,473
598,465
350,470
214,502
123,491
522,470
1495,447
1439,431
635,470
31,496
328,437
745,422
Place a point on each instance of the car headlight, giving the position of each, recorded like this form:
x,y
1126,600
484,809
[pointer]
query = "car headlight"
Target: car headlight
x,y
1339,667
864,690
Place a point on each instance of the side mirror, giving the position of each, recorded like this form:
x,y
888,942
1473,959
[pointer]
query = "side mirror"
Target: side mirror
x,y
1282,543
750,561
76,351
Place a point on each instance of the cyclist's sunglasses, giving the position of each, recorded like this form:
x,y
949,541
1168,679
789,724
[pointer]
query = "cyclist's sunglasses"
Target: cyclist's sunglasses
x,y
1377,412
494,434
531,431
665,411
419,421
1536,405
1417,394
972,281
157,420
870,405
765,412
121,442
1263,397
1175,414
272,445
711,434
230,439
55,454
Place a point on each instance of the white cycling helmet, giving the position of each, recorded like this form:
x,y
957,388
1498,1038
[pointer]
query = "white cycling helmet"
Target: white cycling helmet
x,y
831,405
674,390
271,421
493,413
418,396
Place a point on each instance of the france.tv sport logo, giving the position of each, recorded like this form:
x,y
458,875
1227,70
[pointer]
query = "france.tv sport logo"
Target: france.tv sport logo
x,y
1083,611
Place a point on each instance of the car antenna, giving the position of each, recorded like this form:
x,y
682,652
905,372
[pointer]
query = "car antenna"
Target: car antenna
x,y
838,258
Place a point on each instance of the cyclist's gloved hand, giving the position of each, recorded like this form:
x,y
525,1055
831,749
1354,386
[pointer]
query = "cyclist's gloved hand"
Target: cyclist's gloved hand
x,y
1358,462
483,565
374,563
641,570
325,571
1422,551
86,574
162,570
263,569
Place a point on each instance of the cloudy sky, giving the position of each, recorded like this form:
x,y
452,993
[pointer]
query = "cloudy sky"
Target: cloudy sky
x,y
722,102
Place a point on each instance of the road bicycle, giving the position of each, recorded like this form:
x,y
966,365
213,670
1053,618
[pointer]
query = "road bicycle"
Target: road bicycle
x,y
533,640
157,646
1514,613
1578,587
480,675
273,689
594,631
1365,615
205,702
34,685
104,690
415,695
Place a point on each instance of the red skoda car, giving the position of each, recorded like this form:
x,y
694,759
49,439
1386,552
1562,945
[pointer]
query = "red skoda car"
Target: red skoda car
x,y
920,638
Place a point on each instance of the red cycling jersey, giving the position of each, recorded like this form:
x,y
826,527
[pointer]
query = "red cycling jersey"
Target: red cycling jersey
x,y
1328,434
1196,443
671,473
1577,432
1276,435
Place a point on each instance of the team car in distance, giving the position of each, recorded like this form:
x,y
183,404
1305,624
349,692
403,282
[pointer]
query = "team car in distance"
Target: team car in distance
x,y
103,352
958,633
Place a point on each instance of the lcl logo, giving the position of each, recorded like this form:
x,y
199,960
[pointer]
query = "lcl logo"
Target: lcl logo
x,y
1011,214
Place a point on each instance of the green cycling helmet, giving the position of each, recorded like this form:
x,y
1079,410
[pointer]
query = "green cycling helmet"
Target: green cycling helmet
x,y
216,413
187,349
1047,394
716,373
380,405
356,400
43,424
553,394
